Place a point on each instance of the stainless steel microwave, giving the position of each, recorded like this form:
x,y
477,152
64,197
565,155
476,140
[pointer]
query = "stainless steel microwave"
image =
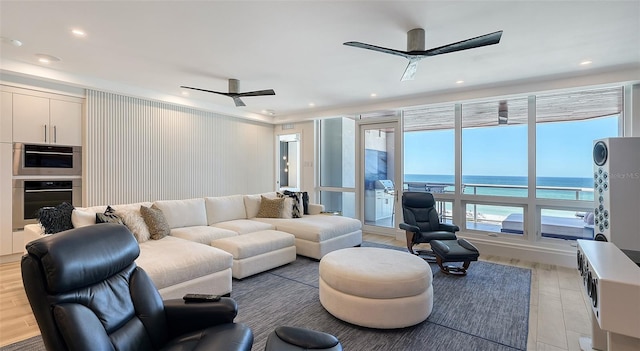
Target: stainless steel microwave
x,y
38,159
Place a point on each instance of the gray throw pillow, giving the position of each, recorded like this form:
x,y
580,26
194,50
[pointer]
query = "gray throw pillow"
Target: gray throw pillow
x,y
109,216
156,222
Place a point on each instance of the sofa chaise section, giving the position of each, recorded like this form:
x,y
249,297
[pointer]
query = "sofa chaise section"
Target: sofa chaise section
x,y
177,266
317,235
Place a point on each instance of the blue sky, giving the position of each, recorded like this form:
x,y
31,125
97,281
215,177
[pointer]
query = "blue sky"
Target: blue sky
x,y
563,149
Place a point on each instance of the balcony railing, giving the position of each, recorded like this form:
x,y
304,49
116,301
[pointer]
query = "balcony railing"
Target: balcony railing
x,y
491,216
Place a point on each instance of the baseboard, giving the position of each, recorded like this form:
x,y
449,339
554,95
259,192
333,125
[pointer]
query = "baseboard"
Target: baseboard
x,y
558,256
10,258
555,254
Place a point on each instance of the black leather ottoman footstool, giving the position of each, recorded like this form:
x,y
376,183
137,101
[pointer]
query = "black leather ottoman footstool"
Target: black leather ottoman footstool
x,y
300,339
454,251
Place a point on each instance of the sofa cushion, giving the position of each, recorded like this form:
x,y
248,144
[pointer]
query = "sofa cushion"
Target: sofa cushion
x,y
81,218
225,208
254,244
183,213
202,234
252,203
316,228
170,261
244,226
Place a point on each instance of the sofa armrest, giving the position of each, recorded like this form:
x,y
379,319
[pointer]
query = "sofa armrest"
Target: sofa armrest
x,y
315,209
32,232
184,317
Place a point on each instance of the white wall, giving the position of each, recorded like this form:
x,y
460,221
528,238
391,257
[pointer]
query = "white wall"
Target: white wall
x,y
141,150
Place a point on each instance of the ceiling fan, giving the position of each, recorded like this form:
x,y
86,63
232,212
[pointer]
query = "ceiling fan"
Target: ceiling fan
x,y
416,52
234,92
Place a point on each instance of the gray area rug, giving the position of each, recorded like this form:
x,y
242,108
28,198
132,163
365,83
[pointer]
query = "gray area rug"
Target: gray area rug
x,y
486,310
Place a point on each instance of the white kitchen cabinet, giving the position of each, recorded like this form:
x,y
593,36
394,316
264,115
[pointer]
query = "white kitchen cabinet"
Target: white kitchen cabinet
x,y
42,120
6,118
65,119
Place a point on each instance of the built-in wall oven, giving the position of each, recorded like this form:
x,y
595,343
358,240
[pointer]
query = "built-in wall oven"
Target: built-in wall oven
x,y
40,160
29,195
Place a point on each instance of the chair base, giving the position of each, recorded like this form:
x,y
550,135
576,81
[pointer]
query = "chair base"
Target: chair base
x,y
451,269
427,255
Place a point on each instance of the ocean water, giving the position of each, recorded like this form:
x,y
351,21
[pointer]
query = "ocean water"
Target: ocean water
x,y
576,188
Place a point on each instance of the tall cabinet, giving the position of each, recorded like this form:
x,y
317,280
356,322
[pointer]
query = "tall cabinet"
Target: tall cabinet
x,y
35,117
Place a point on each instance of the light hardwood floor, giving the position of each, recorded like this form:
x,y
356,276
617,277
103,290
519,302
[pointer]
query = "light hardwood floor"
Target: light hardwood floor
x,y
558,314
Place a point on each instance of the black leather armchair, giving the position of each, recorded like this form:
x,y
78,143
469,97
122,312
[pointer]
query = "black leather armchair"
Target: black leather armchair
x,y
421,222
87,293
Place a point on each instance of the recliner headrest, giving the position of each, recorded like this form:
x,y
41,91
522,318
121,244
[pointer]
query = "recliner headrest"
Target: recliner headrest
x,y
84,256
418,199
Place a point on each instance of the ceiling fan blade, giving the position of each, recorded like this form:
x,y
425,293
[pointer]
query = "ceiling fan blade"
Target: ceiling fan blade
x,y
483,40
239,103
410,71
379,49
208,91
258,93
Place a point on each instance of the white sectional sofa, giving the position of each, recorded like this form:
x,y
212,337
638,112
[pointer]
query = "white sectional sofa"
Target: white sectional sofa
x,y
186,261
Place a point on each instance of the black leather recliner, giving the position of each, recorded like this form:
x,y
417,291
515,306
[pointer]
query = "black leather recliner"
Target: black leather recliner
x,y
422,223
87,293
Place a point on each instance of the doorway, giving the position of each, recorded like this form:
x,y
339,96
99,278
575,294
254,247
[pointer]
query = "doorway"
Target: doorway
x,y
379,171
288,165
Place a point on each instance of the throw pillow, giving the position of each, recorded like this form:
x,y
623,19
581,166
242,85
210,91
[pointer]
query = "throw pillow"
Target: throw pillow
x,y
55,219
270,208
156,222
109,216
80,218
305,202
134,221
297,210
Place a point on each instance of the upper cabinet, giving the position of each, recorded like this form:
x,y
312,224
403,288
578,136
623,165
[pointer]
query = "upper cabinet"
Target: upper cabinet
x,y
43,120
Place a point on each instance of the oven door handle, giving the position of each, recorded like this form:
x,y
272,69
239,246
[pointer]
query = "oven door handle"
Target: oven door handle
x,y
47,190
49,153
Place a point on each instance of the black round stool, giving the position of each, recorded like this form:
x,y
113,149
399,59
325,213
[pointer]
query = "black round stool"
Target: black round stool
x,y
299,339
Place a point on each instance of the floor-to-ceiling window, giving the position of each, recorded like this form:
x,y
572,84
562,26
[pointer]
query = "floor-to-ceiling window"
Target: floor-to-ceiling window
x,y
336,174
517,167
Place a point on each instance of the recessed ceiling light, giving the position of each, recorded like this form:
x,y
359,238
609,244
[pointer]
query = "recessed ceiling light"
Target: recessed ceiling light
x,y
44,58
585,62
374,94
78,32
185,93
311,104
14,42
269,112
459,81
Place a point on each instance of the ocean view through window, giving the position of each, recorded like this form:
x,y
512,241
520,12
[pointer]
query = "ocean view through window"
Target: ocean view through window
x,y
494,149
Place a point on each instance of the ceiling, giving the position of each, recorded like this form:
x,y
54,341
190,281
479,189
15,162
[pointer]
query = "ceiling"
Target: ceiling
x,y
149,48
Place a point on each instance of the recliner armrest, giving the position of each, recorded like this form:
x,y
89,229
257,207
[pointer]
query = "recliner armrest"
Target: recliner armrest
x,y
409,227
184,317
449,227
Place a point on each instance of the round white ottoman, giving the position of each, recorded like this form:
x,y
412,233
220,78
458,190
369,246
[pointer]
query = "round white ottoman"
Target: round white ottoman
x,y
376,288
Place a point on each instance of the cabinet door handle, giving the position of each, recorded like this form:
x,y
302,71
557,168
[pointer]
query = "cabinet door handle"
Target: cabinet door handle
x,y
55,134
45,133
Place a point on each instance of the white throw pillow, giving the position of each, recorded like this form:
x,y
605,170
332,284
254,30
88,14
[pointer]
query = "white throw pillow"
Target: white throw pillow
x,y
81,218
132,218
252,205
